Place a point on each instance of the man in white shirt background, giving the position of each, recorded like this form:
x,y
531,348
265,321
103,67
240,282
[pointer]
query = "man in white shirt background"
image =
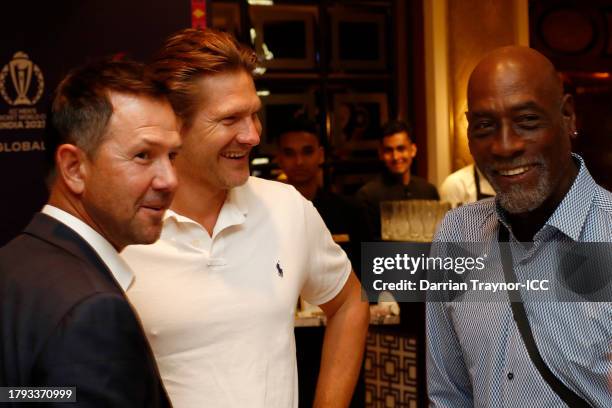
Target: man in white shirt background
x,y
465,185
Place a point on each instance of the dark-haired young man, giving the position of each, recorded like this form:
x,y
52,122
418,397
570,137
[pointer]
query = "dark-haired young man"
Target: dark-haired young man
x,y
396,151
64,317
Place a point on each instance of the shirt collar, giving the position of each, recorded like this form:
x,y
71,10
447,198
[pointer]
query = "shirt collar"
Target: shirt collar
x,y
239,197
120,270
233,211
571,214
169,214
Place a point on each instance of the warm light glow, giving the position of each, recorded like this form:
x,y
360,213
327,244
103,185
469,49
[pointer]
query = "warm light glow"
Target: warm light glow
x,y
258,161
601,75
268,55
261,2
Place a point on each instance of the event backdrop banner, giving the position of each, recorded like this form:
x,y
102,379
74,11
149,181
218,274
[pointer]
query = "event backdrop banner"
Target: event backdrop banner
x,y
40,41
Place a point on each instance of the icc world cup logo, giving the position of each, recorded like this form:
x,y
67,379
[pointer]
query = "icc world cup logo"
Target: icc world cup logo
x,y
21,81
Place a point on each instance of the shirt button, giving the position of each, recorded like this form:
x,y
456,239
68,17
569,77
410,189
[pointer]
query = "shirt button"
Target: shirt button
x,y
510,376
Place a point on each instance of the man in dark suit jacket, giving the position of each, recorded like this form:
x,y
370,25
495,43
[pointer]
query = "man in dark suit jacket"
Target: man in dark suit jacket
x,y
64,317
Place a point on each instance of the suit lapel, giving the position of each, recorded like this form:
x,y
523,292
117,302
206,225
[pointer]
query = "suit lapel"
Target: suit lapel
x,y
60,235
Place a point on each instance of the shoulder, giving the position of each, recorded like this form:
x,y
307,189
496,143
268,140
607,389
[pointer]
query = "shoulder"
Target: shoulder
x,y
421,182
459,178
423,188
371,188
600,215
468,222
31,268
603,200
459,187
589,202
270,199
266,189
29,257
45,286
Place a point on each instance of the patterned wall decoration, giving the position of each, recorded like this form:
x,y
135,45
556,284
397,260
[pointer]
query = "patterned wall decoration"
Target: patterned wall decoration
x,y
586,46
577,37
391,371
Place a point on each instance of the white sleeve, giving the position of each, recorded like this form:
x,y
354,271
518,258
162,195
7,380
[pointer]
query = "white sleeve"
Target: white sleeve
x,y
328,267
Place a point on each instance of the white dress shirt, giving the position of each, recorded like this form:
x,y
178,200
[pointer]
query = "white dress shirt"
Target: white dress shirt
x,y
460,187
121,271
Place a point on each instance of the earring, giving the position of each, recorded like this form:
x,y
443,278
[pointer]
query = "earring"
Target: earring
x,y
575,133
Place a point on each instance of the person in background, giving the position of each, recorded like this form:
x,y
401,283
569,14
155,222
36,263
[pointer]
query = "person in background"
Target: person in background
x,y
217,294
537,353
466,185
300,156
64,318
396,151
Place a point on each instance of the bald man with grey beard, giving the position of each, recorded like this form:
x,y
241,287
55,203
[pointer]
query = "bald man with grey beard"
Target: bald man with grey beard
x,y
482,354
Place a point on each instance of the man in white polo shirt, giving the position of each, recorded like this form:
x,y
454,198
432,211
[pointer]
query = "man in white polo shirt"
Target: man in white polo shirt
x,y
217,293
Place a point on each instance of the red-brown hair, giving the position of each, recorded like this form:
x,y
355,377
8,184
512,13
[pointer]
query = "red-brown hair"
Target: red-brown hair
x,y
189,55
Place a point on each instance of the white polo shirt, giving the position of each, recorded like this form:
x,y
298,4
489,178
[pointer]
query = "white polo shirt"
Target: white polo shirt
x,y
219,311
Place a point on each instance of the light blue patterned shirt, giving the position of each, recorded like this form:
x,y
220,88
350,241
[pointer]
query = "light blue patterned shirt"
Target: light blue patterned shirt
x,y
475,353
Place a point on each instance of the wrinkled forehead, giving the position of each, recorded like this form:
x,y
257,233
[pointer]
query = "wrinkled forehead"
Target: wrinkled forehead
x,y
228,92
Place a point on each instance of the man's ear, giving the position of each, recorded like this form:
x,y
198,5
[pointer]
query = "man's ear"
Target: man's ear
x,y
568,114
71,167
414,150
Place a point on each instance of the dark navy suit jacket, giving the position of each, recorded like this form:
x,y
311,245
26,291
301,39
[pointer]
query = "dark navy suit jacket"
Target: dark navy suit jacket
x,y
64,321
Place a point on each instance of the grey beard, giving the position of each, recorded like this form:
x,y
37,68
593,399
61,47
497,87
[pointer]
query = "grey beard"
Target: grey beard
x,y
518,200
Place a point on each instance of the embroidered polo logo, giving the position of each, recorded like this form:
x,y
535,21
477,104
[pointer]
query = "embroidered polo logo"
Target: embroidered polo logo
x,y
279,270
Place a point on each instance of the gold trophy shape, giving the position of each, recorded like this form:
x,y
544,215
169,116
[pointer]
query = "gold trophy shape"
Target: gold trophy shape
x,y
21,75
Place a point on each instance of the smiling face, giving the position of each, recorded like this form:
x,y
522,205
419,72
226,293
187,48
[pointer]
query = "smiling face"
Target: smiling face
x,y
397,152
225,128
519,129
300,156
130,180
